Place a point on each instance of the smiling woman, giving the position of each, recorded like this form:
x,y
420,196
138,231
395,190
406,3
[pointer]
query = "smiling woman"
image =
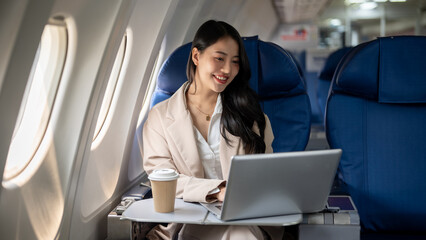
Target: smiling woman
x,y
218,73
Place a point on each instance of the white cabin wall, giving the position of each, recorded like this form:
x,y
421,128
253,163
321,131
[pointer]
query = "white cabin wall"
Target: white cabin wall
x,y
164,17
178,18
21,203
21,26
96,28
221,10
257,17
249,17
183,16
111,169
11,16
39,200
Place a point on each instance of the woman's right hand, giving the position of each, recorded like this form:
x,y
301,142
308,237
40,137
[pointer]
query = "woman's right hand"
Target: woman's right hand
x,y
221,195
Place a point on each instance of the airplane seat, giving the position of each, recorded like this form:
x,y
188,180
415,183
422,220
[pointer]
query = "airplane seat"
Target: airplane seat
x,y
298,61
375,112
172,74
326,75
275,77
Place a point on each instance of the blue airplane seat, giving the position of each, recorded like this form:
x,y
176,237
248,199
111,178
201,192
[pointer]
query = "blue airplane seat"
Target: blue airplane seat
x,y
275,77
172,74
375,112
326,75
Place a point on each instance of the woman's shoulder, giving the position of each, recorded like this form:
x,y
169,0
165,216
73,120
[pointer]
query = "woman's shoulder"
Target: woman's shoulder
x,y
171,106
161,106
158,112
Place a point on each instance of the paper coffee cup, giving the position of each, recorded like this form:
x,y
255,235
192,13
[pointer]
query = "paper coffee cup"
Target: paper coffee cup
x,y
163,183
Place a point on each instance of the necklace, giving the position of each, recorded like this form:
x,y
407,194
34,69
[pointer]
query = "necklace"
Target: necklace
x,y
207,115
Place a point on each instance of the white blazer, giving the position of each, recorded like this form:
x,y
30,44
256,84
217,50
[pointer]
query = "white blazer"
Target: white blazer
x,y
169,142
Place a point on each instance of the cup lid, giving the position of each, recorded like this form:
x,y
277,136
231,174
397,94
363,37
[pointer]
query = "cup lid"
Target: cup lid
x,y
165,174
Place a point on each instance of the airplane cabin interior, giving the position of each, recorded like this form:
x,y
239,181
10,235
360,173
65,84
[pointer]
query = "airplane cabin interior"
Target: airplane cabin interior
x,y
79,78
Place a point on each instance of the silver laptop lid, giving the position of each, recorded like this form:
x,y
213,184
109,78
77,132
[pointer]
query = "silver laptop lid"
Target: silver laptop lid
x,y
261,185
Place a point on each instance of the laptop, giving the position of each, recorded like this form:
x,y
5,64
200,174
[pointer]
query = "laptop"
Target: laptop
x,y
264,185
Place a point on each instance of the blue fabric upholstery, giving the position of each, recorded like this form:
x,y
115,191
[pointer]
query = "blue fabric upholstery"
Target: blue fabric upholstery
x,y
326,75
275,77
172,74
375,113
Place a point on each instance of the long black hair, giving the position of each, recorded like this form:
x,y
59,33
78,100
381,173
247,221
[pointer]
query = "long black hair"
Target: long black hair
x,y
241,108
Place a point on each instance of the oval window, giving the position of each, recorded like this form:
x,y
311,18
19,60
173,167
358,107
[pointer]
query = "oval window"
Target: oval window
x,y
38,100
112,83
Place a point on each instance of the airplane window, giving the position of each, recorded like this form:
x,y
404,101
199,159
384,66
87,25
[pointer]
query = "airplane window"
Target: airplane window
x,y
112,83
38,100
151,86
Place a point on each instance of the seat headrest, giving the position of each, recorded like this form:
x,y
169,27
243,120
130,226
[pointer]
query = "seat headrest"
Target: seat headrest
x,y
331,63
173,71
388,69
274,72
280,75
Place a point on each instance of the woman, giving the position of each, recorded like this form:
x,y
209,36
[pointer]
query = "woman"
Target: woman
x,y
212,117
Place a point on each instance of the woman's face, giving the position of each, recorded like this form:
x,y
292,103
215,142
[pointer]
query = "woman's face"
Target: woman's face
x,y
217,65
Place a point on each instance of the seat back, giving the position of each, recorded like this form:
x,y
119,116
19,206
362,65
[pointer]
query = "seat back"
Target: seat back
x,y
375,113
275,78
326,75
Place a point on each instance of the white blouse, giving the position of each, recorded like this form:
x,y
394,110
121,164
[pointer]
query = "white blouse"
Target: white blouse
x,y
209,150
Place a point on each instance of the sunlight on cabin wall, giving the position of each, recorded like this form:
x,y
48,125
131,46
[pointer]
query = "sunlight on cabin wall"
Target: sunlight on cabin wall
x,y
42,207
45,204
